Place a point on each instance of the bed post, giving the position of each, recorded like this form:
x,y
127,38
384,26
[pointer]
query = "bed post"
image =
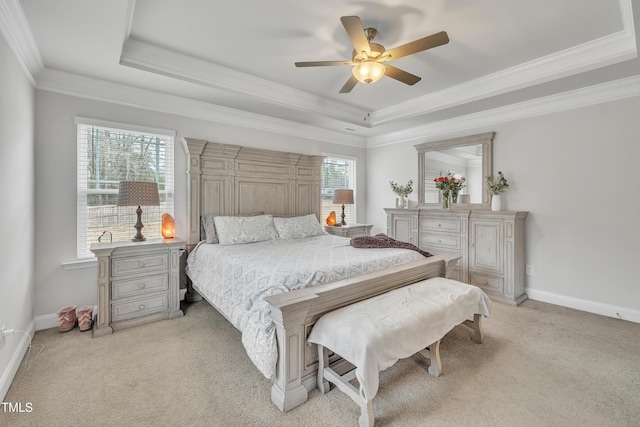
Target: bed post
x,y
287,390
193,148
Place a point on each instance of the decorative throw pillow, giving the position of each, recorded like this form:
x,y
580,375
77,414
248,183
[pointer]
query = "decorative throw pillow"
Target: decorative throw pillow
x,y
298,227
208,229
233,230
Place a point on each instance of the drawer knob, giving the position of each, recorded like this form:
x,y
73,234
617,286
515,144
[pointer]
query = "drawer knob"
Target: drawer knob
x,y
486,282
439,241
141,307
141,285
472,244
439,225
140,264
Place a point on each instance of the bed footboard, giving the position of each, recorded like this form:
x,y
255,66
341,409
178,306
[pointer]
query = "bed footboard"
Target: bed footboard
x,y
295,313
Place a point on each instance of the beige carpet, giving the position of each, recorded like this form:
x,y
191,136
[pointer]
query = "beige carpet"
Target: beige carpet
x,y
540,365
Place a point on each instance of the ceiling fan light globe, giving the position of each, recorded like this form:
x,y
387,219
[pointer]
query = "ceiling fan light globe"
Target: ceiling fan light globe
x,y
368,71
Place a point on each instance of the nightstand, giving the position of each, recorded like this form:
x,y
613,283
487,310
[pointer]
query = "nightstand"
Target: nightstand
x,y
349,230
138,282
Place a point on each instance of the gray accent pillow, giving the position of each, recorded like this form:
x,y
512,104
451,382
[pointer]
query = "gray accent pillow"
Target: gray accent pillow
x,y
208,229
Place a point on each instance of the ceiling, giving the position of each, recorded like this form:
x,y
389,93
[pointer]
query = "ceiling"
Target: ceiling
x,y
234,61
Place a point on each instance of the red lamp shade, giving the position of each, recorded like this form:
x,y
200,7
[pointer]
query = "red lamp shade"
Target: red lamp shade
x,y
331,219
168,226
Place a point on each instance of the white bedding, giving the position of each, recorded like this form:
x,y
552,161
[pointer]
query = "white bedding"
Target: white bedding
x,y
237,278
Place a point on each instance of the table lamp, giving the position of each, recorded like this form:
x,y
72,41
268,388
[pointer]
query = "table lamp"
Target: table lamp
x,y
138,193
343,197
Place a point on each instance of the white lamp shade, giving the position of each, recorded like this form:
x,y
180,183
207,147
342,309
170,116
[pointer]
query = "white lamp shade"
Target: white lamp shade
x,y
368,71
138,193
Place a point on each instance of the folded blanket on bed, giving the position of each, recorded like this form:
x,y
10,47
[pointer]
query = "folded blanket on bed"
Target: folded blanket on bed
x,y
384,241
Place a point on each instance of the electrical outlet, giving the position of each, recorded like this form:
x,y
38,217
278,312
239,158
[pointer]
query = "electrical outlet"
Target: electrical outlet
x,y
529,270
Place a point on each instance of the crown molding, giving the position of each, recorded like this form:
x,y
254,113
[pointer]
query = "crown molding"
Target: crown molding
x,y
605,92
128,23
155,59
607,50
16,30
116,93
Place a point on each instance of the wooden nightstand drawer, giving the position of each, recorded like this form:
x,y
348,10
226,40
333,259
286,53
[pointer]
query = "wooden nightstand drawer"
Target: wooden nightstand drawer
x,y
487,282
139,286
139,264
442,241
135,308
441,225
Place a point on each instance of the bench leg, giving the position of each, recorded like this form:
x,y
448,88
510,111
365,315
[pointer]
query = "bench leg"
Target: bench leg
x,y
435,368
476,325
323,361
366,414
432,356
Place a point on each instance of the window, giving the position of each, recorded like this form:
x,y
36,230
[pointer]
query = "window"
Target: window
x,y
338,172
107,154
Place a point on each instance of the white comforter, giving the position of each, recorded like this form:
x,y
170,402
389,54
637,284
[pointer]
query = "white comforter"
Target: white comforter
x,y
237,278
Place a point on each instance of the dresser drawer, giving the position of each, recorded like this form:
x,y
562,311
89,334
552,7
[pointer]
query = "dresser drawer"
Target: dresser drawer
x,y
155,263
139,286
445,225
486,282
447,242
128,309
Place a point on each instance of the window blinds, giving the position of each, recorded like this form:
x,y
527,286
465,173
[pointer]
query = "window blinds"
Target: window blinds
x,y
107,154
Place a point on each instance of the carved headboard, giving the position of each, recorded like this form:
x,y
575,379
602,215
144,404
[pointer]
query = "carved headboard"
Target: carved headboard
x,y
234,180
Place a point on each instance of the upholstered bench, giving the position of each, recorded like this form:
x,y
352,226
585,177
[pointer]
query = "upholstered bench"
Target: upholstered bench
x,y
373,334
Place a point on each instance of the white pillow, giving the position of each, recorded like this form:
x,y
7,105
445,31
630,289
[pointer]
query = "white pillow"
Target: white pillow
x,y
298,227
233,230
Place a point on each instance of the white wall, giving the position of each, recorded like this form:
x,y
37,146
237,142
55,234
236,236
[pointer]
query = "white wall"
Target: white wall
x,y
17,211
576,174
55,160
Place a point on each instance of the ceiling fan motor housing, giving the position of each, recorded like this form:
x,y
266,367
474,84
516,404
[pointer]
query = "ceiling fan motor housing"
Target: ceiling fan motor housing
x,y
376,51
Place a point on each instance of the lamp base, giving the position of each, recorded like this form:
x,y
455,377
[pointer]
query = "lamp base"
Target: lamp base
x,y
139,237
343,222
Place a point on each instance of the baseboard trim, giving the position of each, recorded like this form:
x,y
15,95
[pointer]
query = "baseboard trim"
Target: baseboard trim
x,y
14,364
608,310
47,321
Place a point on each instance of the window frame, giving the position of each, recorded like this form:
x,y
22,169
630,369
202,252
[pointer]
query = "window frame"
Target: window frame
x,y
82,190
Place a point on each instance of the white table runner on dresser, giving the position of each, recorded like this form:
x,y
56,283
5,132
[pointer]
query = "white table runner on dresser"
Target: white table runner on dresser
x,y
373,334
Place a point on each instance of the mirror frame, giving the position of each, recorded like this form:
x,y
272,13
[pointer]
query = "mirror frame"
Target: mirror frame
x,y
486,139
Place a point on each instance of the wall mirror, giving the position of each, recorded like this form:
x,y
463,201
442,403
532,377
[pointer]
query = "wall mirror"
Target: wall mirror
x,y
469,156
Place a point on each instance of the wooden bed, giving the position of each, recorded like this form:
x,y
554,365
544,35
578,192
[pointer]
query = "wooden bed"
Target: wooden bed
x,y
234,180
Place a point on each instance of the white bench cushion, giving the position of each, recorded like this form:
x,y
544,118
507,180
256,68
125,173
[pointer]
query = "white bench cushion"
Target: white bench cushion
x,y
373,334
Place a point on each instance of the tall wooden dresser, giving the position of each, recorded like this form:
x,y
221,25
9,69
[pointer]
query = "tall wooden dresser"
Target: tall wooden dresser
x,y
491,245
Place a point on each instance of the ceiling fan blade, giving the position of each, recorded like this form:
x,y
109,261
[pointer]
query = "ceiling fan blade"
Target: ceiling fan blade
x,y
400,75
350,84
419,45
355,30
322,63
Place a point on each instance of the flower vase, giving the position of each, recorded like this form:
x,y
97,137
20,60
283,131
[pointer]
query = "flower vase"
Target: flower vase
x,y
495,202
454,196
445,199
402,202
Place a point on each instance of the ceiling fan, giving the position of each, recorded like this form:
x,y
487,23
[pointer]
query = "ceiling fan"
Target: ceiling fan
x,y
369,59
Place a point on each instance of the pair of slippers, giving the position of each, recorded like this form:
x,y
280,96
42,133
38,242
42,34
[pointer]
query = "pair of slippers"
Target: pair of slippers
x,y
67,318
